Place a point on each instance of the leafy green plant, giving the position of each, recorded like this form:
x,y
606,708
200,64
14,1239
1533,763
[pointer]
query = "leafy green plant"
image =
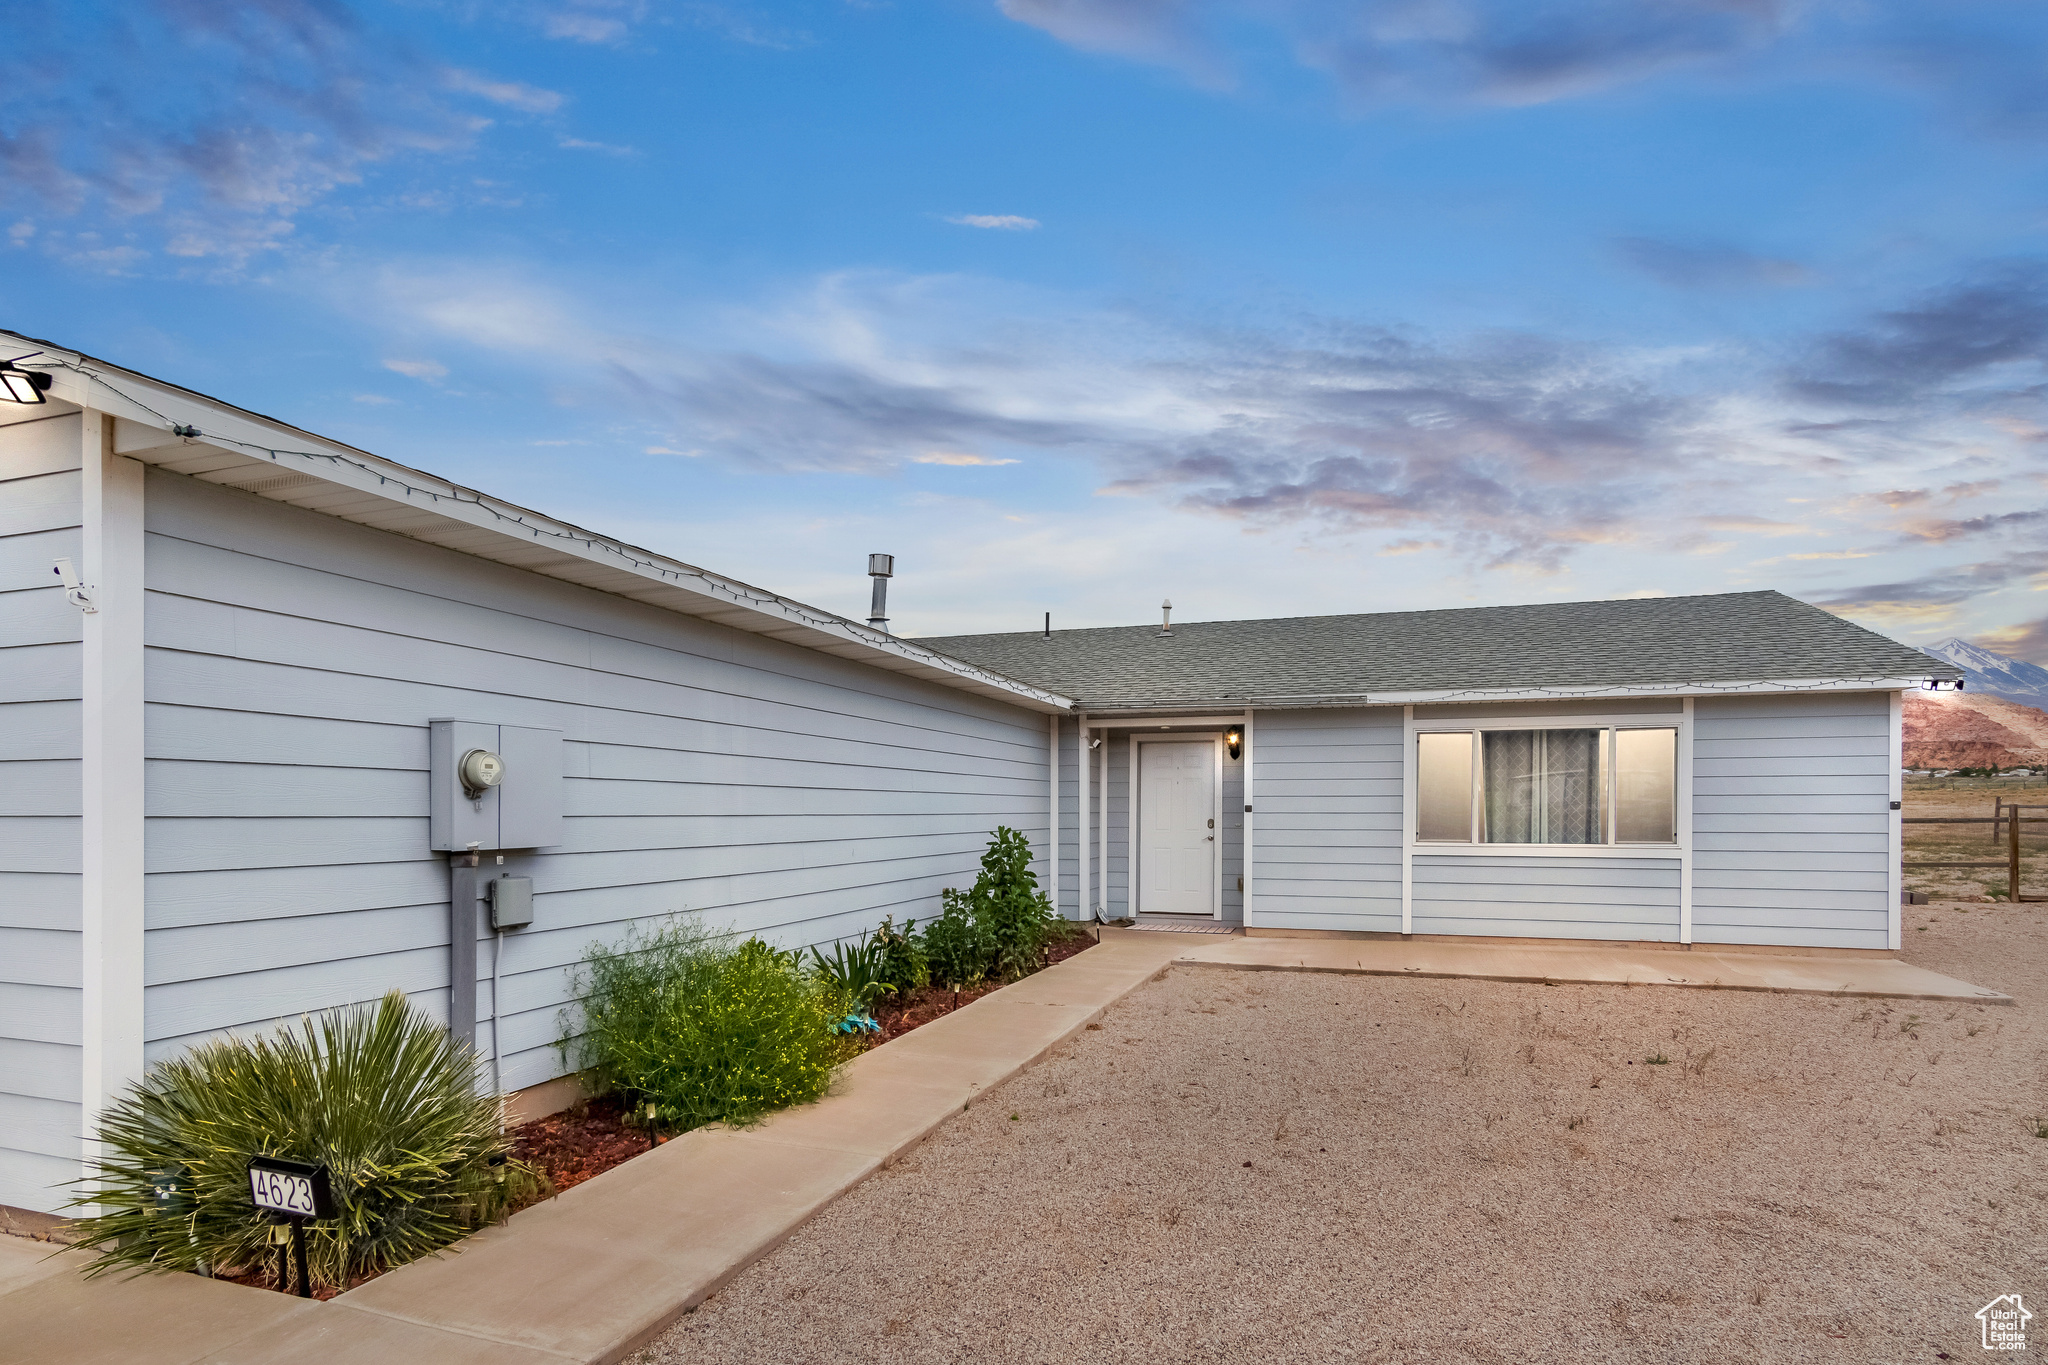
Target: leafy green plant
x,y
1021,918
958,948
381,1095
903,966
691,1029
999,927
855,971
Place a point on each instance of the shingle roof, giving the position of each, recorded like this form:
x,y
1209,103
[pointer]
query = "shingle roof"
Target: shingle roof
x,y
1657,642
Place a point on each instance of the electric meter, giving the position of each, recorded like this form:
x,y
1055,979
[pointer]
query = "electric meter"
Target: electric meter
x,y
480,771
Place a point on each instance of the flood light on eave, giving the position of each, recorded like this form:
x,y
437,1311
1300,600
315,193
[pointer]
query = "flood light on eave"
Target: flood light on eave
x,y
23,386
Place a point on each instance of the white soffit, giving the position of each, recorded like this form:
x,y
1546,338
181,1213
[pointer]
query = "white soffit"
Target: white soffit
x,y
235,449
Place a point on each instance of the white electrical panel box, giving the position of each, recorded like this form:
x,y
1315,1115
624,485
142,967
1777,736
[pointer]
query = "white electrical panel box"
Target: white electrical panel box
x,y
494,786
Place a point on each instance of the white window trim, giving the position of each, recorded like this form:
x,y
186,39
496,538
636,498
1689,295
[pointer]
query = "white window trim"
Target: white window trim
x,y
1681,849
1680,852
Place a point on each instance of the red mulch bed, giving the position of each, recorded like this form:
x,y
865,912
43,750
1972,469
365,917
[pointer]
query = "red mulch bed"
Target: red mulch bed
x,y
266,1278
581,1141
899,1016
591,1137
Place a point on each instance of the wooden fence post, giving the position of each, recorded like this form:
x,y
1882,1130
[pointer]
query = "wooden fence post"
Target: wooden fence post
x,y
2013,859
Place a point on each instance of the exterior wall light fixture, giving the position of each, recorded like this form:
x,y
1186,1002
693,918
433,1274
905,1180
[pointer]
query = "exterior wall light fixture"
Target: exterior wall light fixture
x,y
22,386
1233,740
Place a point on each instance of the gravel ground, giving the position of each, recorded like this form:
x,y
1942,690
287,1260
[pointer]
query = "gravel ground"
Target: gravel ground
x,y
1254,1166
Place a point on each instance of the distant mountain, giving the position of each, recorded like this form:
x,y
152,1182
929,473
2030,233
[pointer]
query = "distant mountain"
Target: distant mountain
x,y
1973,730
1988,671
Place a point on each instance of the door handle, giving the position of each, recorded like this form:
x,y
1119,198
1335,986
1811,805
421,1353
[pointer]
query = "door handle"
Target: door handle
x,y
1208,838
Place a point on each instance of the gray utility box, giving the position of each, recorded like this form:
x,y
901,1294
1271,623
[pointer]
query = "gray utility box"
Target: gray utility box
x,y
524,810
511,902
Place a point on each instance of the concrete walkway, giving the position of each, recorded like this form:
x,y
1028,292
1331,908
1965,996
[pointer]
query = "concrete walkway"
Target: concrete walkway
x,y
594,1274
1591,964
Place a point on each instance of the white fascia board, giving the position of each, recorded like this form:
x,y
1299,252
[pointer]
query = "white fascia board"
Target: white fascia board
x,y
1696,689
1163,708
242,449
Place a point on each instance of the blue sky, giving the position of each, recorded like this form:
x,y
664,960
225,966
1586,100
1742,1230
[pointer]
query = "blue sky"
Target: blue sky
x,y
1272,307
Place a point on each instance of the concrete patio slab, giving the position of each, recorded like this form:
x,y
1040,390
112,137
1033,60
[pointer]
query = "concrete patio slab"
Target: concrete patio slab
x,y
1604,964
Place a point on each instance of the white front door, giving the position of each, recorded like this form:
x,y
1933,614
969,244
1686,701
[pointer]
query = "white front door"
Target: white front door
x,y
1177,827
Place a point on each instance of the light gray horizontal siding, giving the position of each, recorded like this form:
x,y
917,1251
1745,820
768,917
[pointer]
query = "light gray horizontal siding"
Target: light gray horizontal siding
x,y
40,747
1327,793
1547,897
293,664
1791,820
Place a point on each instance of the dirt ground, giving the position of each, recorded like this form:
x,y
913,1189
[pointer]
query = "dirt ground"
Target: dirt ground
x,y
1258,1166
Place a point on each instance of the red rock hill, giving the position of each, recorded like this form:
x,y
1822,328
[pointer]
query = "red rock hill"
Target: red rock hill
x,y
1971,730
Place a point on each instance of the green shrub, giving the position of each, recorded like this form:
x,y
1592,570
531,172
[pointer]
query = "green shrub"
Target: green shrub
x,y
854,971
690,1029
903,965
957,945
1000,927
381,1095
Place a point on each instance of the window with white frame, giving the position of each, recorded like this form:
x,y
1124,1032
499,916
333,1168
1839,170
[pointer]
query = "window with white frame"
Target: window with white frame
x,y
1594,785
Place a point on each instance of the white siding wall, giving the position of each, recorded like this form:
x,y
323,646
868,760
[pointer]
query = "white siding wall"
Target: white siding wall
x,y
294,662
1328,792
1547,896
1791,812
40,686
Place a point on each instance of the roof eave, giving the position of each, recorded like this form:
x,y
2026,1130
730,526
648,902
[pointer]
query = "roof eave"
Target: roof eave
x,y
1719,687
281,463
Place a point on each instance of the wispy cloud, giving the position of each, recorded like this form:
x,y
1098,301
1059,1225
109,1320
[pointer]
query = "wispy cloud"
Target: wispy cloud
x,y
590,22
577,144
418,369
1001,222
200,132
2024,640
1982,339
1518,452
1526,52
1491,50
529,99
1708,265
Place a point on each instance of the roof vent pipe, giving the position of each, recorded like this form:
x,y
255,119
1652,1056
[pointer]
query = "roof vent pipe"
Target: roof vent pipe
x,y
1166,617
881,568
1048,625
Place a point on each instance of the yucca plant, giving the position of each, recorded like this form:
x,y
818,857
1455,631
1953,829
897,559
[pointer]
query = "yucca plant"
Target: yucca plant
x,y
855,971
381,1095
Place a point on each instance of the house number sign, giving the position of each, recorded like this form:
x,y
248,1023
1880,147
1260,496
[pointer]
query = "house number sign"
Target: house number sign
x,y
295,1189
